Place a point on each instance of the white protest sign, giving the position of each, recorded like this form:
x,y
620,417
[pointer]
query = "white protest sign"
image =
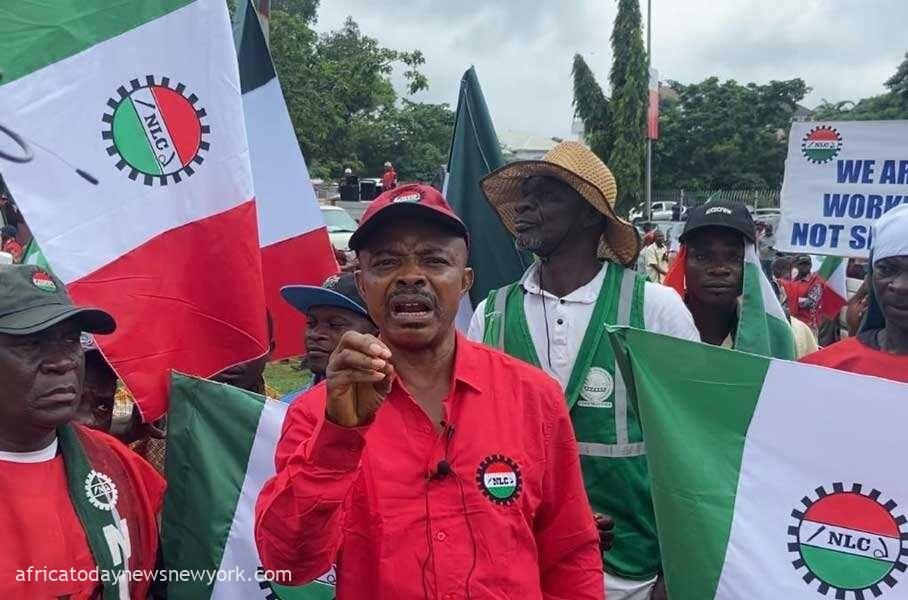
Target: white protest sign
x,y
840,177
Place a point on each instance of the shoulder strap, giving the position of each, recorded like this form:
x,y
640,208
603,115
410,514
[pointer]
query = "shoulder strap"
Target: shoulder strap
x,y
625,303
496,305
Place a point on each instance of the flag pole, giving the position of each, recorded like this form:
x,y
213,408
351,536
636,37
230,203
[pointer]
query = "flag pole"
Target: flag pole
x,y
649,141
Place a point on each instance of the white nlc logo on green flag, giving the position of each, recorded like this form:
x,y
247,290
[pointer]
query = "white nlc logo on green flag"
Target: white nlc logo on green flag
x,y
771,480
847,540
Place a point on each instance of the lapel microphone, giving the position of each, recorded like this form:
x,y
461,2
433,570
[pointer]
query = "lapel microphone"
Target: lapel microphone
x,y
443,468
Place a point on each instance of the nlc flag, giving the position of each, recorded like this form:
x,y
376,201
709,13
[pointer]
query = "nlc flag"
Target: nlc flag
x,y
143,95
771,479
220,451
292,232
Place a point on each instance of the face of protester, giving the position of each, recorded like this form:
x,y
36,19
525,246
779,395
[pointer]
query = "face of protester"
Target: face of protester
x,y
98,391
412,276
803,266
549,212
41,377
781,268
890,284
715,266
659,238
325,326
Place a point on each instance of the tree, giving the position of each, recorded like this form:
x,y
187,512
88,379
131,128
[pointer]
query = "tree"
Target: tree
x,y
593,108
891,105
341,101
898,83
415,136
629,81
724,135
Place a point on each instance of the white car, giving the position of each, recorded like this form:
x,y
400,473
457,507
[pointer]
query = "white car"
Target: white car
x,y
662,211
340,226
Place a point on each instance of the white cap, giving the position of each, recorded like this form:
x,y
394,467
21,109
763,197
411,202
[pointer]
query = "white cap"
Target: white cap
x,y
890,234
387,164
348,171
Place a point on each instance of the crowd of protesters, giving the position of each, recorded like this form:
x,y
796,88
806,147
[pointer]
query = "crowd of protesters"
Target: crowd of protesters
x,y
376,463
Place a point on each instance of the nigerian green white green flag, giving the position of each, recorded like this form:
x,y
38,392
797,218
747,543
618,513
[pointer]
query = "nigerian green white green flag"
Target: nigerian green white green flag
x,y
770,479
220,451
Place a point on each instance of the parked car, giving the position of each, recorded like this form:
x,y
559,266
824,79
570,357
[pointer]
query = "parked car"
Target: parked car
x,y
340,226
662,211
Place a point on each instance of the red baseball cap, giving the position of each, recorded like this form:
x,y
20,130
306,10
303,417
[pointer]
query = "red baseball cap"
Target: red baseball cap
x,y
414,199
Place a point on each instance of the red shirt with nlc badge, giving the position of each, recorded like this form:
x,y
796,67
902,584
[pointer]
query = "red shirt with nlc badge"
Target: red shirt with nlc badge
x,y
509,519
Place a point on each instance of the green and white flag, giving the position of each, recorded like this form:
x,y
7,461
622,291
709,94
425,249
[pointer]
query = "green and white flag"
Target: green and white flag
x,y
476,152
220,451
770,479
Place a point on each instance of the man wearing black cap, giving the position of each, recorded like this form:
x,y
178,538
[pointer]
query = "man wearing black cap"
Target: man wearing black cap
x,y
331,310
718,274
428,466
74,499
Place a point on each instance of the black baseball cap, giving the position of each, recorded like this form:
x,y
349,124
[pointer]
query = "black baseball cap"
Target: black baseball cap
x,y
721,213
338,290
33,299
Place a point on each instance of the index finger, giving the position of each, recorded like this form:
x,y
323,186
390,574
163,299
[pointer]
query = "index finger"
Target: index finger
x,y
364,343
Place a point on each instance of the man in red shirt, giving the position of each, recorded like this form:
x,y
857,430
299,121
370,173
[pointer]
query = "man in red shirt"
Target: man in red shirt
x,y
881,346
389,179
9,244
428,466
804,292
79,508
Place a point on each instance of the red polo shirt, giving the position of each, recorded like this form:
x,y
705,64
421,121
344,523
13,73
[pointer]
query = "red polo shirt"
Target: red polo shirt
x,y
510,520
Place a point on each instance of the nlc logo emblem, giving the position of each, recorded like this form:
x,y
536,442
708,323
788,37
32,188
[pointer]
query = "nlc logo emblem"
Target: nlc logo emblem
x,y
155,130
821,144
848,541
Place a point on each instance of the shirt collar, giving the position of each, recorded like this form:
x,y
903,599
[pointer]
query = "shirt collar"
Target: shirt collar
x,y
466,364
36,456
585,294
466,368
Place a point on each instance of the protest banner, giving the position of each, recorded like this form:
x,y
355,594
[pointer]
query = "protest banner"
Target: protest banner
x,y
220,452
146,100
840,177
770,479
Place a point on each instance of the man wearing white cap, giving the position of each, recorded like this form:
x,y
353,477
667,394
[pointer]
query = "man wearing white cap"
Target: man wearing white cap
x,y
881,346
561,208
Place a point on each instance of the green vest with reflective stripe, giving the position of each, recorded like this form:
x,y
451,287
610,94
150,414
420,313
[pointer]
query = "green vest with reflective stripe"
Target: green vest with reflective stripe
x,y
606,424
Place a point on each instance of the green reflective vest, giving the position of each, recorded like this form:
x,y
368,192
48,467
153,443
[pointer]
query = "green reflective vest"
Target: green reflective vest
x,y
606,424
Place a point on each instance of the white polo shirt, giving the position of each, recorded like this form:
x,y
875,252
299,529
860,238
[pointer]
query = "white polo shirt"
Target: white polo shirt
x,y
568,318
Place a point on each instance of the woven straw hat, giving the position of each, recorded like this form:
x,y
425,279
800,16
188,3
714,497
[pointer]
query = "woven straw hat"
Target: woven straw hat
x,y
576,165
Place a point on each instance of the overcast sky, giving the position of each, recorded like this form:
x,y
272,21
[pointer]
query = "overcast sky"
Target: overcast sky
x,y
522,49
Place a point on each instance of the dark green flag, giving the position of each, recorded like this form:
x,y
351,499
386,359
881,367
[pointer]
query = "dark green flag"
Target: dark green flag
x,y
475,152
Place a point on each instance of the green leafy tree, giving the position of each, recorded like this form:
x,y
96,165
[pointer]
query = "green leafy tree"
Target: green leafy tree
x,y
724,135
593,108
891,105
898,83
629,81
341,101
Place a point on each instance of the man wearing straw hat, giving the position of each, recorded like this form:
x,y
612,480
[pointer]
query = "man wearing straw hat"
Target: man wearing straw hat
x,y
561,208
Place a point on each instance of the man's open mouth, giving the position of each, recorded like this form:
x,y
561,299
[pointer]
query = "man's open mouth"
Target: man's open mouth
x,y
411,309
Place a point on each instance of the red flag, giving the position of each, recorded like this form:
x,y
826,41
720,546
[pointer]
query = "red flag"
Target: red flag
x,y
652,113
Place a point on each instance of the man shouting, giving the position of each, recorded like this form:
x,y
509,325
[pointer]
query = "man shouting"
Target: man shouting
x,y
428,466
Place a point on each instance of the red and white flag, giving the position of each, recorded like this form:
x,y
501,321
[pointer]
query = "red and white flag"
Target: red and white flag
x,y
146,98
295,244
652,112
